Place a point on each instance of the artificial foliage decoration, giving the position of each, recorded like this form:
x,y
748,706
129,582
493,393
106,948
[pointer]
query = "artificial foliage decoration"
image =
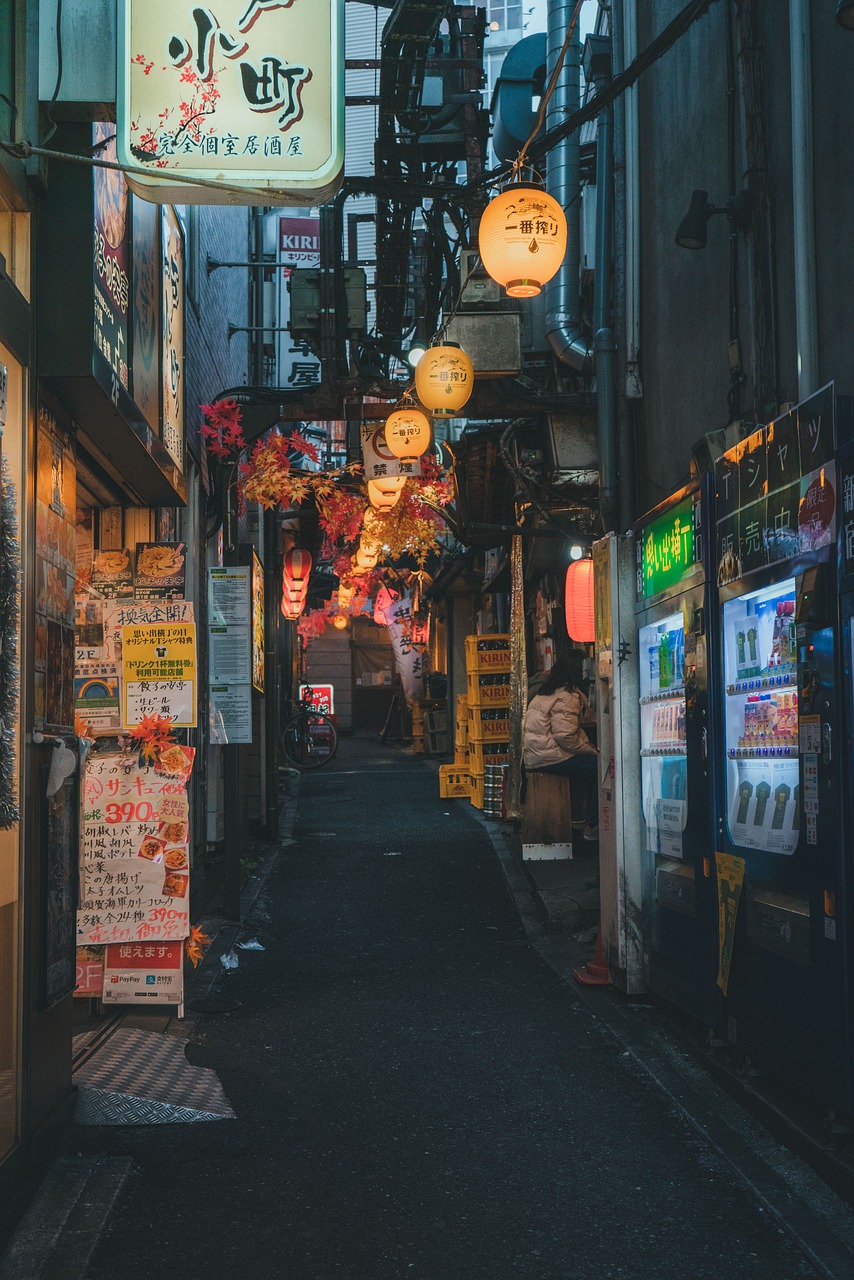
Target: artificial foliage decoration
x,y
269,477
10,573
153,734
221,429
196,945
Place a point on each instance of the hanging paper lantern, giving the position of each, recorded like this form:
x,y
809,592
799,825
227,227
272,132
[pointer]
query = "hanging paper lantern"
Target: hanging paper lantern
x,y
522,239
296,569
578,602
339,621
385,491
364,560
345,595
444,380
292,609
369,545
407,433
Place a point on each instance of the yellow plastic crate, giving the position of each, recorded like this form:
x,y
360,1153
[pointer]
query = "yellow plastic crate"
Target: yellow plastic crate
x,y
462,756
486,654
453,782
489,725
476,789
492,690
483,753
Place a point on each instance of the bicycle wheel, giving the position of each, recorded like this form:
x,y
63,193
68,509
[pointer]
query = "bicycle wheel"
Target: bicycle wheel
x,y
310,740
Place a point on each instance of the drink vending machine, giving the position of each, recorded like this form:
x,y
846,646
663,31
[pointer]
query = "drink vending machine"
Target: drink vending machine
x,y
780,777
675,616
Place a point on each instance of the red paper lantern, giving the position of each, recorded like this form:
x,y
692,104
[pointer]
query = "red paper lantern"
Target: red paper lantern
x,y
578,602
296,571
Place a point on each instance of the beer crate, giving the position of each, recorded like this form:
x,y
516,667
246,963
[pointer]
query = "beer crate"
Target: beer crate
x,y
489,690
487,654
476,789
453,782
436,744
462,757
436,721
483,753
488,724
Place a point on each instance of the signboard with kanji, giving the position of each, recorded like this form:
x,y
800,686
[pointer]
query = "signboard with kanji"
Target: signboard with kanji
x,y
776,490
144,972
243,95
159,673
378,458
135,850
668,548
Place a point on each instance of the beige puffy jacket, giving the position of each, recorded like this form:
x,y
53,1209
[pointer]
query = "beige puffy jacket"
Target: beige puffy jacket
x,y
552,728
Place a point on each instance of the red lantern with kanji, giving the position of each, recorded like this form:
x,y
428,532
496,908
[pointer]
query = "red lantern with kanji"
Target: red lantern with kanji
x,y
578,602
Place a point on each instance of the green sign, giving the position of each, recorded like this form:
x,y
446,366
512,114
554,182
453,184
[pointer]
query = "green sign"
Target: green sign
x,y
667,552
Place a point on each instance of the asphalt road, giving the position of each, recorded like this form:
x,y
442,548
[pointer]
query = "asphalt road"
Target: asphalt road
x,y
418,1096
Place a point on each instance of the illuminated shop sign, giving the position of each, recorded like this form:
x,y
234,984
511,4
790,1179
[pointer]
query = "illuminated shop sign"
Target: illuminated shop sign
x,y
667,549
247,93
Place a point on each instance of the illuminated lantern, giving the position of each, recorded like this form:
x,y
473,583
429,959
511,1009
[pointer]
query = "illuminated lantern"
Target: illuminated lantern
x,y
345,595
407,433
296,572
444,380
385,491
369,545
522,239
292,609
364,560
339,621
578,602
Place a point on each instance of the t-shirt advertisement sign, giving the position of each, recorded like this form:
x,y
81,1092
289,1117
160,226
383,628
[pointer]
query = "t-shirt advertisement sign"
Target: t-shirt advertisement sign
x,y
244,96
135,849
776,490
159,673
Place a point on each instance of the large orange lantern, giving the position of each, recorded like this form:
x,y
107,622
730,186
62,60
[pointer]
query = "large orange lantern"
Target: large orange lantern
x,y
522,239
444,380
407,433
578,602
364,559
385,491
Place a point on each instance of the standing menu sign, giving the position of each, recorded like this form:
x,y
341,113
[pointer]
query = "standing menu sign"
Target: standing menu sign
x,y
135,850
230,654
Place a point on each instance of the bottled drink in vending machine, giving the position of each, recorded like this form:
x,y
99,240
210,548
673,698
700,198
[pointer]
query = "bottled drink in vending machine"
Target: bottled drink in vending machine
x,y
665,670
753,664
740,656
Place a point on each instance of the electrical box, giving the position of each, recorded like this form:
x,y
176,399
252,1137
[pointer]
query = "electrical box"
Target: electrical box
x,y
478,289
574,448
491,339
304,288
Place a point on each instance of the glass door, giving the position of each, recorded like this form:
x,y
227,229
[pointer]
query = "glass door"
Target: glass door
x,y
663,762
761,719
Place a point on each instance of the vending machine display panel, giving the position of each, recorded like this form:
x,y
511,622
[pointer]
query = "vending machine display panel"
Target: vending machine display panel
x,y
761,719
663,746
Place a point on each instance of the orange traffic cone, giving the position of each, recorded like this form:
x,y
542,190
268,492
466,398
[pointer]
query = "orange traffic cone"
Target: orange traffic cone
x,y
595,973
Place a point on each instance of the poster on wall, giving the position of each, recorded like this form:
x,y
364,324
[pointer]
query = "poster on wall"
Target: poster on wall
x,y
159,673
135,849
145,369
112,574
257,624
111,259
160,571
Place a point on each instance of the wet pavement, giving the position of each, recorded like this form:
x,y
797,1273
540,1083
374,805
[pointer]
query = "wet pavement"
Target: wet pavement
x,y
417,1094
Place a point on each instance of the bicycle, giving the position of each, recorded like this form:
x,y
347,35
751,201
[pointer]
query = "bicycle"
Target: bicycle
x,y
309,738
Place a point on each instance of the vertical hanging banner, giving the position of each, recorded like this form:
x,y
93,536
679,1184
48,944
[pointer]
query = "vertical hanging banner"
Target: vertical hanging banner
x,y
246,96
172,315
409,640
730,871
135,849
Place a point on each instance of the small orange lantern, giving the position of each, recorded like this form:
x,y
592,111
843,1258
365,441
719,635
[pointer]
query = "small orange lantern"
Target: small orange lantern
x,y
385,491
578,602
407,433
522,239
364,559
345,595
339,621
444,380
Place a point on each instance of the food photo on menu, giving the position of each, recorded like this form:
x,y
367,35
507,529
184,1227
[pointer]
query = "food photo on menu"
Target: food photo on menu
x,y
160,568
112,574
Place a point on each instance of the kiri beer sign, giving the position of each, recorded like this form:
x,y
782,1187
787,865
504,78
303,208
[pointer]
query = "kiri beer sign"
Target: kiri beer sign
x,y
299,241
244,93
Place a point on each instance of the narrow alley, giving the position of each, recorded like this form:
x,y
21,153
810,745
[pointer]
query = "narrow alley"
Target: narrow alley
x,y
416,1093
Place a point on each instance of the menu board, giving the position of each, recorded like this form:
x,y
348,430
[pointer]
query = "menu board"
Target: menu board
x,y
135,849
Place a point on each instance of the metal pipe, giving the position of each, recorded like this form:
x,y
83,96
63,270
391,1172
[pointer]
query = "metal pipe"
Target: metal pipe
x,y
605,348
626,259
634,386
563,295
803,194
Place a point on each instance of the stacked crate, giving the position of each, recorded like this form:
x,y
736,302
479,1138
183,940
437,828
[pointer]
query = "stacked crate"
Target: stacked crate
x,y
436,731
418,727
488,698
454,778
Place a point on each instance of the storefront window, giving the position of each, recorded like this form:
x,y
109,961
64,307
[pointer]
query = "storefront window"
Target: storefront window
x,y
10,848
15,248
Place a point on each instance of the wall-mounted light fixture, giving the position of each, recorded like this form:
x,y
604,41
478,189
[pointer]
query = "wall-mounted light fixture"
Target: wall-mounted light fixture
x,y
845,14
692,229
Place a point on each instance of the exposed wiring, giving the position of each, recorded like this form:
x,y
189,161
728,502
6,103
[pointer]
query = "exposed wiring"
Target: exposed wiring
x,y
519,162
49,109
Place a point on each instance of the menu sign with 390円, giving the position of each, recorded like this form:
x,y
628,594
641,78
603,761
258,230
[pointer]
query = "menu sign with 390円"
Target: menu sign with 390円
x,y
135,849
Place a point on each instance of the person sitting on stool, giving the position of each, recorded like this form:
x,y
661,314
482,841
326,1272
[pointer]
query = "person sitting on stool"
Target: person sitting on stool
x,y
553,740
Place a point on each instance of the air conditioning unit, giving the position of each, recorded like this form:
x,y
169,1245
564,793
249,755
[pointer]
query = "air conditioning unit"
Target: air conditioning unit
x,y
491,339
574,448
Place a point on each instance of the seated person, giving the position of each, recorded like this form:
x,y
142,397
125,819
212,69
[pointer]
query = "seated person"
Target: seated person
x,y
553,740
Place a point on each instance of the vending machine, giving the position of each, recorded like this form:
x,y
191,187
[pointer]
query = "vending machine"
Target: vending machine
x,y
786,973
676,617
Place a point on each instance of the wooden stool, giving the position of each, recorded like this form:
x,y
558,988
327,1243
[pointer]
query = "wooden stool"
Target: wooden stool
x,y
546,818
